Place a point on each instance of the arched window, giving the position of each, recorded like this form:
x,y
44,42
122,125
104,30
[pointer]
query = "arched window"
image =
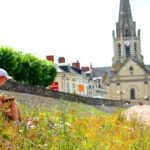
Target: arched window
x,y
119,50
132,94
135,47
127,51
126,32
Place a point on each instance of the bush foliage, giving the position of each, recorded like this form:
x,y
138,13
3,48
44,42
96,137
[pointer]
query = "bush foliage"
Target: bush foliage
x,y
27,68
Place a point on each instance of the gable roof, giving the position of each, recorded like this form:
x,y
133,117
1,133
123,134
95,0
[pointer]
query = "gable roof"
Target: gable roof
x,y
141,65
66,68
79,71
100,71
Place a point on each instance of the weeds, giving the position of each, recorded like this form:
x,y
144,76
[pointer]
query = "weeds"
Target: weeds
x,y
71,128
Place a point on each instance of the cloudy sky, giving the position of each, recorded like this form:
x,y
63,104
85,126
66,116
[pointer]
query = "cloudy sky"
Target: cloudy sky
x,y
75,29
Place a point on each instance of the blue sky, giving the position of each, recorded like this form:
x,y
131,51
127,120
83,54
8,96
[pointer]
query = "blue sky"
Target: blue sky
x,y
75,29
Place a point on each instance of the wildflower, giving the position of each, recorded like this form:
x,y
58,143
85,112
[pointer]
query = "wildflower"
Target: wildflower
x,y
57,125
68,124
28,123
101,127
45,145
42,115
32,127
20,131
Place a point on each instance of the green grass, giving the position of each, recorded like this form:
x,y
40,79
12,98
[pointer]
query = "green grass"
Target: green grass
x,y
72,126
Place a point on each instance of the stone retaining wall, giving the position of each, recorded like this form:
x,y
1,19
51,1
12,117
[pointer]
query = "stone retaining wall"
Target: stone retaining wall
x,y
41,91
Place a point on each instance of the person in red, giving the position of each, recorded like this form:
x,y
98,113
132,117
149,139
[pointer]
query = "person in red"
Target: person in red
x,y
8,104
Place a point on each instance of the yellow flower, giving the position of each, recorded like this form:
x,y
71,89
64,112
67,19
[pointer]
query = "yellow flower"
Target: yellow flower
x,y
42,115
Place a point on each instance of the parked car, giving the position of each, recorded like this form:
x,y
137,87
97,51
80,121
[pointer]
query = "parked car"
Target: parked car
x,y
97,96
126,104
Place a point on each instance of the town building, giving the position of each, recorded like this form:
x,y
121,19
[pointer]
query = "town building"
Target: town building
x,y
73,79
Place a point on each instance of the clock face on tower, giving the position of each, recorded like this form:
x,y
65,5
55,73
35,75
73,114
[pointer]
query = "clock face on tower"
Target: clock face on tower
x,y
127,43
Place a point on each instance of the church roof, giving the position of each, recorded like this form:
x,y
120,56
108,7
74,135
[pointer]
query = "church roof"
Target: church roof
x,y
100,71
148,67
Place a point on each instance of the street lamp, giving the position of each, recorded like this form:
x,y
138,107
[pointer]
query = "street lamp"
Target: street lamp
x,y
147,98
121,92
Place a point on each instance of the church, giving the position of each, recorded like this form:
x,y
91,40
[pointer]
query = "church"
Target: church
x,y
128,78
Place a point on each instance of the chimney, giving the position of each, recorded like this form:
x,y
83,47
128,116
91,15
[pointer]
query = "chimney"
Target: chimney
x,y
76,65
61,60
50,58
85,68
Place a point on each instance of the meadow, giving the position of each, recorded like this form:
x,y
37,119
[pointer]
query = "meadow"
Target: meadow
x,y
72,126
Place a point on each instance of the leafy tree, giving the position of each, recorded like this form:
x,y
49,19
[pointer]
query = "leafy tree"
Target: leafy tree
x,y
37,72
8,59
34,69
17,74
49,72
27,68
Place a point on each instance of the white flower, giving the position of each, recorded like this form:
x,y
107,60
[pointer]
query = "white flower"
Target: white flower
x,y
58,126
101,127
28,123
68,124
32,127
20,131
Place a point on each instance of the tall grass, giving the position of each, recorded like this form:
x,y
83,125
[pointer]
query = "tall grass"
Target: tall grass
x,y
71,127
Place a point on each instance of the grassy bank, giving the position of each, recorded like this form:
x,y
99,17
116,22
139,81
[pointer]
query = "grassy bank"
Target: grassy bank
x,y
72,126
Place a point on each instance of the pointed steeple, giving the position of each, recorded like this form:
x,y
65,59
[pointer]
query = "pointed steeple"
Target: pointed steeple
x,y
126,42
125,12
125,26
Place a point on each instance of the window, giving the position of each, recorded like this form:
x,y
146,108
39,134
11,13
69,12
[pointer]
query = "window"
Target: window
x,y
127,51
73,88
119,50
131,69
126,32
68,88
132,93
135,54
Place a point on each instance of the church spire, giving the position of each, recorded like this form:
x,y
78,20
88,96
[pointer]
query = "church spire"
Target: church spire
x,y
125,26
126,42
125,12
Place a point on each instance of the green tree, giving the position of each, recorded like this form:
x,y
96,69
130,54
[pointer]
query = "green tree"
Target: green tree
x,y
8,59
34,69
27,68
37,72
49,72
17,73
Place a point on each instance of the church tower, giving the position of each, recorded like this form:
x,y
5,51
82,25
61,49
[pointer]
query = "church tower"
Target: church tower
x,y
127,43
